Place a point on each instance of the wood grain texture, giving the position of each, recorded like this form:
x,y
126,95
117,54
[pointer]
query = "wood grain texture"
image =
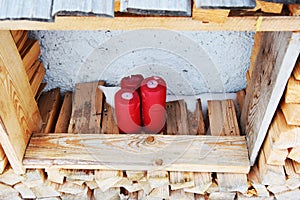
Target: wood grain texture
x,y
294,9
296,71
202,181
195,120
210,15
109,123
292,94
177,118
87,108
37,78
269,7
64,116
275,61
255,49
19,112
294,154
49,104
103,151
291,112
31,54
222,118
244,23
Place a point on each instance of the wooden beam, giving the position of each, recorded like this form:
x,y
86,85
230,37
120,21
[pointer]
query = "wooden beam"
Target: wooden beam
x,y
243,23
63,120
103,151
275,61
19,112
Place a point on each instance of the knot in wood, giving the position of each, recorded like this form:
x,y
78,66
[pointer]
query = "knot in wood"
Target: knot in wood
x,y
159,162
150,139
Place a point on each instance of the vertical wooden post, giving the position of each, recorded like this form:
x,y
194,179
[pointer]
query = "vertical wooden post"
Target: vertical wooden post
x,y
19,114
274,63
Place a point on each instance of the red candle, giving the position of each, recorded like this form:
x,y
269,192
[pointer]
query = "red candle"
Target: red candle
x,y
132,82
127,107
153,94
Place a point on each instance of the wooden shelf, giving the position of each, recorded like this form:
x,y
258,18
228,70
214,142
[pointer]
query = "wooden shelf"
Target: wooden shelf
x,y
138,152
246,23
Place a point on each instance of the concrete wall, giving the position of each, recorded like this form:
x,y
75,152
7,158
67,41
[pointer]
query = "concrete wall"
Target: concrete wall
x,y
192,62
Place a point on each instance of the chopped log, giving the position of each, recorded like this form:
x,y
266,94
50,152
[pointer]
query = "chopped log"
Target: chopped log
x,y
40,91
161,192
291,112
31,54
49,107
202,182
34,178
275,189
254,178
180,194
291,194
17,35
71,188
296,71
222,118
44,191
296,166
92,184
106,179
25,191
180,180
294,9
32,70
54,175
37,79
64,116
274,156
210,15
8,193
177,121
282,135
78,174
232,182
294,154
276,58
292,90
111,194
18,100
158,178
87,108
10,178
196,122
221,196
241,196
270,174
3,164
135,175
21,40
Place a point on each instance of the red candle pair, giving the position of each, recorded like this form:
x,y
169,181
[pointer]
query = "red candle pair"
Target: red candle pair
x,y
151,93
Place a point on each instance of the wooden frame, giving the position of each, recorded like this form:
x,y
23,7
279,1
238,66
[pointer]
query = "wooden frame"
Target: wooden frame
x,y
245,23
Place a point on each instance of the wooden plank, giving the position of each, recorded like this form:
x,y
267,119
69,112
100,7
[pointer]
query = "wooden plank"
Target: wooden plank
x,y
64,116
270,174
294,9
196,122
283,136
274,64
243,23
31,54
222,118
103,151
87,108
19,112
37,79
25,191
292,90
210,15
240,98
270,7
296,71
17,35
40,91
109,124
291,113
49,107
232,182
254,178
202,182
20,43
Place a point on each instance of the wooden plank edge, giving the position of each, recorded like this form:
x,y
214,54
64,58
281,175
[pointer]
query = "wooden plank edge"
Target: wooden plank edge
x,y
244,23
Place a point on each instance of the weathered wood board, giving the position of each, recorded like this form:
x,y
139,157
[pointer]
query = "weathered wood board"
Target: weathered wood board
x,y
147,152
276,58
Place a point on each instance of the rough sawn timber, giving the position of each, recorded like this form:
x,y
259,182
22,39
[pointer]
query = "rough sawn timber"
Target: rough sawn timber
x,y
275,61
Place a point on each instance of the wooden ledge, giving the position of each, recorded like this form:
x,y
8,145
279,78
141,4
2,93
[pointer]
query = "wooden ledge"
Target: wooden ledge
x,y
252,23
138,152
